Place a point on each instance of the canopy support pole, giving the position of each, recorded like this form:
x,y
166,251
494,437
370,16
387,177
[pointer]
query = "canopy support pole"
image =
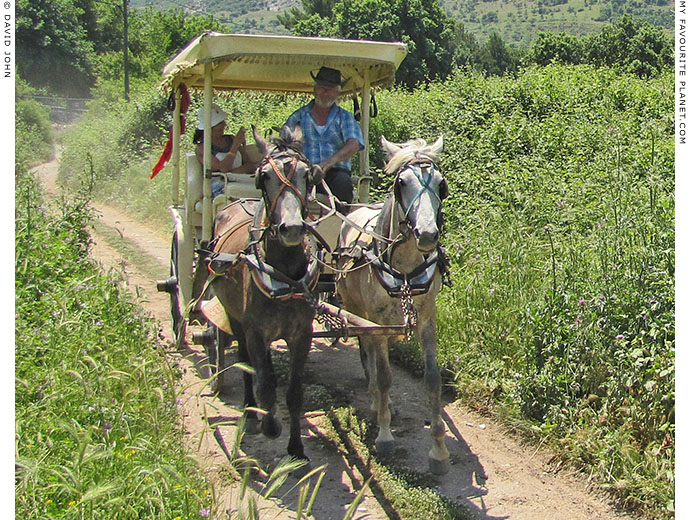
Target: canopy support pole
x,y
176,146
366,98
207,203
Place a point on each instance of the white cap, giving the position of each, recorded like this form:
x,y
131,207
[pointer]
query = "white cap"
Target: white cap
x,y
217,116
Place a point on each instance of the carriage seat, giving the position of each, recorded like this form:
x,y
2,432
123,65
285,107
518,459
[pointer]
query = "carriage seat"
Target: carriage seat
x,y
238,186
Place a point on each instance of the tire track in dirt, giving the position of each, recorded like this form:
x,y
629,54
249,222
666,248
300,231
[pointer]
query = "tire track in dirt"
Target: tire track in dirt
x,y
492,474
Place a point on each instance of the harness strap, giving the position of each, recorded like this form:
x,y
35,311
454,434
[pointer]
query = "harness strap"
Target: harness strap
x,y
287,183
423,179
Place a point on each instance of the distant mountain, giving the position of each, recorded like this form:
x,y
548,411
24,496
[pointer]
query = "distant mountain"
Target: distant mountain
x,y
517,21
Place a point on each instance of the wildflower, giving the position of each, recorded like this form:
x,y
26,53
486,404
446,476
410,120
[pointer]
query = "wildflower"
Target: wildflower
x,y
582,303
107,427
491,290
205,512
620,336
72,503
49,501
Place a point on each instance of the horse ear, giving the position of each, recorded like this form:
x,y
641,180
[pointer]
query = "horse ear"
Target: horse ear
x,y
297,133
390,149
437,147
260,141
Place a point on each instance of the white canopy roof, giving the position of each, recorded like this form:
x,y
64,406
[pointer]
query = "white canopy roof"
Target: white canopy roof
x,y
282,63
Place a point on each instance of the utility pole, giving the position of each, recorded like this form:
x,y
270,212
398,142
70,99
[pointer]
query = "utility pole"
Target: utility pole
x,y
126,47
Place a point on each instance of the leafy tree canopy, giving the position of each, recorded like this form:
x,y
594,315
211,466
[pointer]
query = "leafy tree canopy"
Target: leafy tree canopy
x,y
64,45
421,24
52,43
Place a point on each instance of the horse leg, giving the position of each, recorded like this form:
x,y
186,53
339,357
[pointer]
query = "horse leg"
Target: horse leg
x,y
364,358
260,356
439,458
299,348
379,386
251,424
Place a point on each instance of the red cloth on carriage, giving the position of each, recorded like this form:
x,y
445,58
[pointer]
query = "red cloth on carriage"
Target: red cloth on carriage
x,y
185,101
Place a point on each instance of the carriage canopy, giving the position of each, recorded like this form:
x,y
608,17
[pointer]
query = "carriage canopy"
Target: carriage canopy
x,y
282,63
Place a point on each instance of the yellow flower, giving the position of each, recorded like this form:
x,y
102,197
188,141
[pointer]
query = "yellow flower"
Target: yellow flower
x,y
49,501
72,503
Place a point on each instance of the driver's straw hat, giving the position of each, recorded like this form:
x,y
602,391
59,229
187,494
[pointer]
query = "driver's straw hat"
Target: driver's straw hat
x,y
217,116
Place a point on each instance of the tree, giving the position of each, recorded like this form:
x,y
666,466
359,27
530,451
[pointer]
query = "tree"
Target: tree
x,y
421,24
295,15
632,46
495,58
53,49
558,48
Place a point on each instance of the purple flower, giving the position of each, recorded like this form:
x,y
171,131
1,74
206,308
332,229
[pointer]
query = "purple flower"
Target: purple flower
x,y
620,336
205,512
582,303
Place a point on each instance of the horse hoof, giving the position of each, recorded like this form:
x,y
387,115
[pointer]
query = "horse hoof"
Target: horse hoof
x,y
302,470
384,448
270,427
439,467
252,426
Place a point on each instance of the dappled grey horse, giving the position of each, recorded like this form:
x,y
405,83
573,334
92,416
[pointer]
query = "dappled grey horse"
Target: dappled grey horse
x,y
262,259
391,264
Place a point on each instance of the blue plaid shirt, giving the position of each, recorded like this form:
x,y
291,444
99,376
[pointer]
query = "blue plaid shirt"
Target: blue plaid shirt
x,y
340,127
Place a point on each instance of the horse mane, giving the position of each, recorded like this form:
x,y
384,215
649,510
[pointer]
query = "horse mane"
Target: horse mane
x,y
412,149
286,142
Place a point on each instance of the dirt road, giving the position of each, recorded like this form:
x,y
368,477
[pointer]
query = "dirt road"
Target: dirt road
x,y
493,475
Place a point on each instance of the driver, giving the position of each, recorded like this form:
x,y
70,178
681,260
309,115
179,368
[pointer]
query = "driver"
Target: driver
x,y
331,134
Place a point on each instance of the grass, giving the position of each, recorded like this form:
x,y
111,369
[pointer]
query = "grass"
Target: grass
x,y
403,494
96,428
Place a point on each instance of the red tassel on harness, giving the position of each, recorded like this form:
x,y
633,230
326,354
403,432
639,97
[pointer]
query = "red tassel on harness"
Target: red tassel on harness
x,y
185,100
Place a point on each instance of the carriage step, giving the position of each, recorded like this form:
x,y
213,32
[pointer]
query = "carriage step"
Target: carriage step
x,y
206,338
169,285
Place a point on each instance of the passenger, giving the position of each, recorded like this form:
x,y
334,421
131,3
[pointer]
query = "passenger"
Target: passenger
x,y
229,153
331,134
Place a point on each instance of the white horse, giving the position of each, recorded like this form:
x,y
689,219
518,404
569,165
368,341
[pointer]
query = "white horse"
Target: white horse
x,y
389,257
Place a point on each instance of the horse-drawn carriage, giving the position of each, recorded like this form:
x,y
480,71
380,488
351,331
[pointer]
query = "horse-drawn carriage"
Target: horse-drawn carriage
x,y
259,255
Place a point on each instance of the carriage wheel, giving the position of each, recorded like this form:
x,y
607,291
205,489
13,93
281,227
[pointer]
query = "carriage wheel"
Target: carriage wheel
x,y
179,324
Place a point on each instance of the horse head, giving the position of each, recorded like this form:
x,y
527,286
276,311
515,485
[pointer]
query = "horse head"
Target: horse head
x,y
419,187
285,177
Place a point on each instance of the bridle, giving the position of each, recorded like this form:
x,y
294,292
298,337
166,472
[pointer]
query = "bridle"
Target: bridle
x,y
287,182
423,169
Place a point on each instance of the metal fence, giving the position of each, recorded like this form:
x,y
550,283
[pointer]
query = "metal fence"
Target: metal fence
x,y
62,109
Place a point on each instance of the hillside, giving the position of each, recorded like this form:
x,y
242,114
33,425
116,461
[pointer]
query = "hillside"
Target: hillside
x,y
518,21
